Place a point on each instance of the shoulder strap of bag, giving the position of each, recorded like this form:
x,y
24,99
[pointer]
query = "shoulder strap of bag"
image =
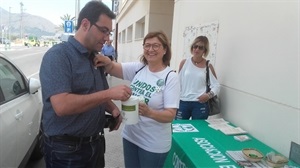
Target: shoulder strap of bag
x,y
207,77
140,69
165,78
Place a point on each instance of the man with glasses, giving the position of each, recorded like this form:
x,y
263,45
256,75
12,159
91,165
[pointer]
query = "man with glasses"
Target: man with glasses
x,y
76,94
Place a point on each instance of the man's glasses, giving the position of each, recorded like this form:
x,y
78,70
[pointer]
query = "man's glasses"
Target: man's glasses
x,y
104,30
154,46
199,47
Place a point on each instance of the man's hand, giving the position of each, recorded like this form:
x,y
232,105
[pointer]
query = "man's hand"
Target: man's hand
x,y
115,124
121,92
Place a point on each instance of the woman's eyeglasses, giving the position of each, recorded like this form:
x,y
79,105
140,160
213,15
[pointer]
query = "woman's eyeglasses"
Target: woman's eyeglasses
x,y
199,47
154,46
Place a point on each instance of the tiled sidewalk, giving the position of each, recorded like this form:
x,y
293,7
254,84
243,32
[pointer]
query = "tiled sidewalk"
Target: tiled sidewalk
x,y
114,147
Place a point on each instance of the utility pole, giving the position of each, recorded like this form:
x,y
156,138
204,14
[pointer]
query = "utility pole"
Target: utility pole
x,y
1,26
77,8
21,21
9,20
113,5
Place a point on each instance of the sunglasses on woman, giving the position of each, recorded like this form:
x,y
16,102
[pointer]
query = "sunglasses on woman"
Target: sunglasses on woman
x,y
199,47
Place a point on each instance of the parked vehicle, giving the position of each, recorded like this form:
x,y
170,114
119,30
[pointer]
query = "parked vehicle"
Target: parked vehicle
x,y
32,42
4,40
65,36
46,43
20,116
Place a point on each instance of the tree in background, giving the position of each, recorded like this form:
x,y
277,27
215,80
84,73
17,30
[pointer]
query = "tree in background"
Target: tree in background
x,y
64,18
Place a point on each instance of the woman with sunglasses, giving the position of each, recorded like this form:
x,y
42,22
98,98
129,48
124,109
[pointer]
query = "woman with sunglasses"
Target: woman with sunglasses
x,y
192,73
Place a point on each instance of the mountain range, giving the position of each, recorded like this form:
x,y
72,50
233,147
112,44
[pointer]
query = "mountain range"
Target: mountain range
x,y
32,25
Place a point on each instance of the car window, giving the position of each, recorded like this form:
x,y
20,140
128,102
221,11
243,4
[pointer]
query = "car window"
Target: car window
x,y
12,82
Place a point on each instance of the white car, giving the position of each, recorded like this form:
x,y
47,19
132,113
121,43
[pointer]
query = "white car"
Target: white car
x,y
64,37
20,116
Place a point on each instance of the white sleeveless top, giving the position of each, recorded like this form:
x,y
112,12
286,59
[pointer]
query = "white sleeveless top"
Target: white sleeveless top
x,y
193,81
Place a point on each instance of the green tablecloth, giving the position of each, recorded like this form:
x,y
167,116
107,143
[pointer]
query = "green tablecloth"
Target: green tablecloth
x,y
195,144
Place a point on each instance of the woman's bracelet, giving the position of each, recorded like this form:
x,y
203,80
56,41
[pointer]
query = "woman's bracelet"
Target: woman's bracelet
x,y
211,94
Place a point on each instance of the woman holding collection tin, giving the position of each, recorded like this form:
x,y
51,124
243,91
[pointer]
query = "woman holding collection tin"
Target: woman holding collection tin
x,y
147,143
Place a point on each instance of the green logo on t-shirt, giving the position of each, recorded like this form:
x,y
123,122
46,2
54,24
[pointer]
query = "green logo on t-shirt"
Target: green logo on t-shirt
x,y
143,88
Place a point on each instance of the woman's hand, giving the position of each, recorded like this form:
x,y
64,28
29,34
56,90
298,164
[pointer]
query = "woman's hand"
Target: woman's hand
x,y
203,98
144,110
101,60
163,116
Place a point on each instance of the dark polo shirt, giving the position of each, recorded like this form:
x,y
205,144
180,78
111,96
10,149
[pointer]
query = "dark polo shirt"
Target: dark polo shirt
x,y
67,68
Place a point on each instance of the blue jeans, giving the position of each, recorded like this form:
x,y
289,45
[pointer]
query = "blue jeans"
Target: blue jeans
x,y
193,109
67,154
136,157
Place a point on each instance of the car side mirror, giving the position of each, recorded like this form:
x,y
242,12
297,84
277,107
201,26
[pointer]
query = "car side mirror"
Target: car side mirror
x,y
34,85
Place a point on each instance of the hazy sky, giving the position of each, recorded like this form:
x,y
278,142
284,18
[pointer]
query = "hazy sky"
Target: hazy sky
x,y
49,9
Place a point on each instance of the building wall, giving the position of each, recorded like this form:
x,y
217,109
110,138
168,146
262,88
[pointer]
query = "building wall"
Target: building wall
x,y
161,16
130,12
257,63
157,15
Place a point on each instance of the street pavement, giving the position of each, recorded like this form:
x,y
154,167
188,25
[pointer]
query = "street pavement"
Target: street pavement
x,y
114,147
7,47
12,47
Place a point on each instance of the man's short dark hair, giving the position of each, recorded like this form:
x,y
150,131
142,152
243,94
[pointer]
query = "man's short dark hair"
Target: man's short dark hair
x,y
92,10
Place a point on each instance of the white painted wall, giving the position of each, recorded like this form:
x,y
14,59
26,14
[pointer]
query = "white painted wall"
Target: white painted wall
x,y
129,15
158,17
161,16
257,63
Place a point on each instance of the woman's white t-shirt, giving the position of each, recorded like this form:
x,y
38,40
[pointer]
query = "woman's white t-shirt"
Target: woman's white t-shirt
x,y
149,134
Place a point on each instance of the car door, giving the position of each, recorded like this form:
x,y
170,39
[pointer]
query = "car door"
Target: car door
x,y
20,114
